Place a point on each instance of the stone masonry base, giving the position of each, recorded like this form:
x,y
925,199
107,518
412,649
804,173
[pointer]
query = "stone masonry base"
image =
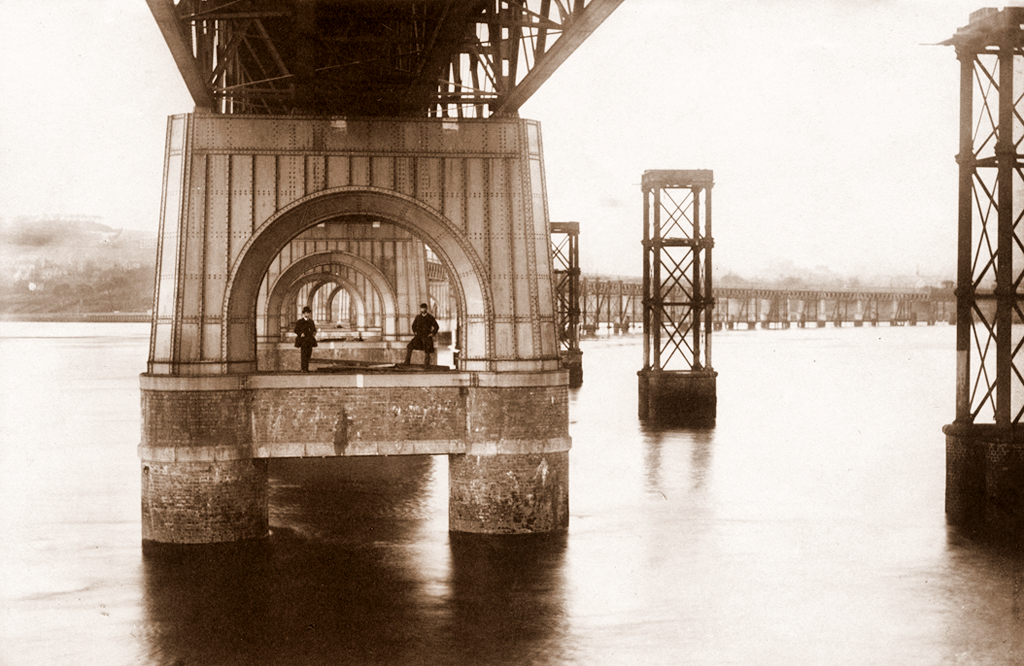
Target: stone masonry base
x,y
508,494
206,441
204,502
985,481
681,398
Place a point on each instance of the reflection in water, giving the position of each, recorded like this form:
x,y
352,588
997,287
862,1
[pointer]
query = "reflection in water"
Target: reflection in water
x,y
982,588
699,441
355,499
507,600
208,605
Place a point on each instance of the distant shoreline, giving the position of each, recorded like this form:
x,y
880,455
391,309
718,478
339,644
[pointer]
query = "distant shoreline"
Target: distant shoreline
x,y
79,317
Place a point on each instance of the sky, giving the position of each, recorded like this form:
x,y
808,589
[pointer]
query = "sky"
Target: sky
x,y
830,125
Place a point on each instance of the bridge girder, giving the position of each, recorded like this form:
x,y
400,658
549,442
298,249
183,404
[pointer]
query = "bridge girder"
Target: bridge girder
x,y
435,58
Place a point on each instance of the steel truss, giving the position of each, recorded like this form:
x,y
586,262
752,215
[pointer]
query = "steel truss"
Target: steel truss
x,y
990,259
440,58
677,287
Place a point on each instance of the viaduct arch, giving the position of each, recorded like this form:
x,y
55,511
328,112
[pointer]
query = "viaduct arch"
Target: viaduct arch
x,y
346,287
338,285
465,267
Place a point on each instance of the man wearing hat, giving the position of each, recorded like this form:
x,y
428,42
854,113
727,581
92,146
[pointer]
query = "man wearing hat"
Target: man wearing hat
x,y
305,337
424,327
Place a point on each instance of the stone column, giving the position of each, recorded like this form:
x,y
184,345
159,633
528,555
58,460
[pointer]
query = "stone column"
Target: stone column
x,y
203,502
508,494
200,481
514,477
985,481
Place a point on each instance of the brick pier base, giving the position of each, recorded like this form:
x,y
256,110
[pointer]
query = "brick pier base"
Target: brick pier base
x,y
985,481
573,362
204,502
206,441
684,398
508,494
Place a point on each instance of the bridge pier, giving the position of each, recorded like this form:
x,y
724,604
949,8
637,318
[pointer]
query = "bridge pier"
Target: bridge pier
x,y
985,442
677,233
514,475
201,482
572,361
260,214
565,261
204,501
508,494
206,442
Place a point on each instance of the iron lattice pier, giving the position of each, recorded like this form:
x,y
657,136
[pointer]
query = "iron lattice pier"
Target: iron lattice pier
x,y
677,384
677,270
985,443
565,260
990,257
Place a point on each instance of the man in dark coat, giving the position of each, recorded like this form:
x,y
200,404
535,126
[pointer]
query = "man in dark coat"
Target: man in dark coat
x,y
424,327
305,337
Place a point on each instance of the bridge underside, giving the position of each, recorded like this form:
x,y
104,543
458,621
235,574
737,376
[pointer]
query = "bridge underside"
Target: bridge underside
x,y
386,58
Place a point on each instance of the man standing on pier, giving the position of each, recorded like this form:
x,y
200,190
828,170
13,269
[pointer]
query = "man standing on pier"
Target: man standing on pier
x,y
424,328
305,337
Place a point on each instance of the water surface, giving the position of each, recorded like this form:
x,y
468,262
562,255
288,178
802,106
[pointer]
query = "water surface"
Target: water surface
x,y
806,527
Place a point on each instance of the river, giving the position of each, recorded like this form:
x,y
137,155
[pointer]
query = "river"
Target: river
x,y
806,527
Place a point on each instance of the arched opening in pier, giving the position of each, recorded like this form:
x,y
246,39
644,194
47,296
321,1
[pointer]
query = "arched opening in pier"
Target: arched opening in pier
x,y
342,306
269,276
334,301
315,280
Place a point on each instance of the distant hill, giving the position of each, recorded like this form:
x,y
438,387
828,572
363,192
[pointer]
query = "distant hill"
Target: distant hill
x,y
74,264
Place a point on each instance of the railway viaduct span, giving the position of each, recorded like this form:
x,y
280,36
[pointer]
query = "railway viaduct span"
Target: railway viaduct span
x,y
616,303
338,150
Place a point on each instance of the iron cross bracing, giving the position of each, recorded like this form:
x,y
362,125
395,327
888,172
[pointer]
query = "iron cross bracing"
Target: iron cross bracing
x,y
678,297
990,263
423,58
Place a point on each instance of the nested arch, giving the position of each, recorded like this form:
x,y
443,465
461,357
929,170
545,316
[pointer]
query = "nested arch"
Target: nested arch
x,y
317,282
286,286
451,246
355,300
340,285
